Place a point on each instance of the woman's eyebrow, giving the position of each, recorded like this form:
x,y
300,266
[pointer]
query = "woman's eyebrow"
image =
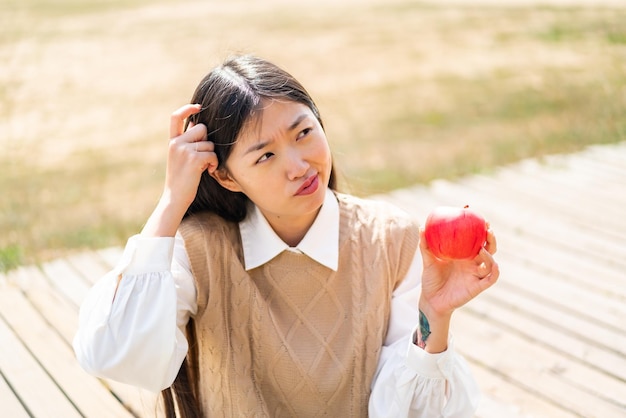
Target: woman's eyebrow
x,y
297,121
260,145
256,147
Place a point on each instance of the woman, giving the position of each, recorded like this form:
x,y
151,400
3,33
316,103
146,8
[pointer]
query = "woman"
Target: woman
x,y
256,289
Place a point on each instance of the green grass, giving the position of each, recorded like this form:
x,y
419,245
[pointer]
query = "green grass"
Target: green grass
x,y
489,122
569,27
45,211
409,93
10,257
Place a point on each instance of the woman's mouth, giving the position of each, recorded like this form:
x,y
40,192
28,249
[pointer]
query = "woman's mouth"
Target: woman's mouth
x,y
309,186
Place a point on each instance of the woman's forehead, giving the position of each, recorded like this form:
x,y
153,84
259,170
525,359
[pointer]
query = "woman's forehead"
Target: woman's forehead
x,y
270,117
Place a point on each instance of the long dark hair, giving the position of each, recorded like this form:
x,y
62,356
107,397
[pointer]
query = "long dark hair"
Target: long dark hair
x,y
230,95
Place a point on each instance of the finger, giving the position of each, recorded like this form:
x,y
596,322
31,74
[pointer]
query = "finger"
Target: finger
x,y
487,281
205,150
204,146
207,159
427,256
212,163
177,120
491,246
488,271
188,124
491,278
484,262
193,135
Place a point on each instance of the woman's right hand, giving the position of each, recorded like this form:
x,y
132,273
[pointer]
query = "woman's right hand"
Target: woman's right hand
x,y
189,155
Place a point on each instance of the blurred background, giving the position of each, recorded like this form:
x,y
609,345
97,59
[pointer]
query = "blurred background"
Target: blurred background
x,y
409,91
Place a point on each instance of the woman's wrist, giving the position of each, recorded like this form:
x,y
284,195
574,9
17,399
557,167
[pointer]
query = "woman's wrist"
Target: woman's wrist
x,y
165,219
433,329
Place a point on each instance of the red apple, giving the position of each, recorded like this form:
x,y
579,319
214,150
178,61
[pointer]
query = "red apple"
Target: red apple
x,y
455,233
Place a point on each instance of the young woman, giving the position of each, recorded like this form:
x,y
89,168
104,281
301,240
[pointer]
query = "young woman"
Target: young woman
x,y
255,289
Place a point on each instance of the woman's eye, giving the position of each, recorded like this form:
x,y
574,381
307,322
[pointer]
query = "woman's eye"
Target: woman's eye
x,y
304,132
264,157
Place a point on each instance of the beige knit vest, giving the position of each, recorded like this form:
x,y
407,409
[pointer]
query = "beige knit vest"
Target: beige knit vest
x,y
293,338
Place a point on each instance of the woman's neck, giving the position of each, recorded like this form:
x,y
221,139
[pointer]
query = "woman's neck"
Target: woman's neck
x,y
292,229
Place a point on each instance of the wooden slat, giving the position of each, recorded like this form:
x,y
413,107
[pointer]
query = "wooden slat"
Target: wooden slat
x,y
89,265
63,317
547,314
11,406
564,342
32,385
67,281
504,399
573,387
58,311
583,271
559,293
56,357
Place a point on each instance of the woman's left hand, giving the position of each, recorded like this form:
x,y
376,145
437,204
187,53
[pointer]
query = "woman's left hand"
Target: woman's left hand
x,y
450,284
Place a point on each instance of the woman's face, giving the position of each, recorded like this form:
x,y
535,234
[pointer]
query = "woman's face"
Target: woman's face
x,y
282,162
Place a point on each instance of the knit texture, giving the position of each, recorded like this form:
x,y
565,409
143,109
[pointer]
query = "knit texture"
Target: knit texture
x,y
293,338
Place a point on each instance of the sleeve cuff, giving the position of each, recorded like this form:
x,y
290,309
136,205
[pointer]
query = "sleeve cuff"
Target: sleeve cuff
x,y
146,255
428,364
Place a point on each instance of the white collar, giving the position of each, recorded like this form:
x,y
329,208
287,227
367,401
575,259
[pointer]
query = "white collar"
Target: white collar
x,y
321,242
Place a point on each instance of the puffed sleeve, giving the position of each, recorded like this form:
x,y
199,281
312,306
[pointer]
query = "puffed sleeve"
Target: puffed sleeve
x,y
411,383
131,323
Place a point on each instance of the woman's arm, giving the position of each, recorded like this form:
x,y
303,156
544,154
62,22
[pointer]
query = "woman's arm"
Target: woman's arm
x,y
446,286
131,324
189,155
132,330
419,377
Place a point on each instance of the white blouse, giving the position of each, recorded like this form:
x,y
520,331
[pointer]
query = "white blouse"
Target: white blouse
x,y
134,332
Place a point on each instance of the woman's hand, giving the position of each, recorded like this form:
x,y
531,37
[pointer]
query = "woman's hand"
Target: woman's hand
x,y
189,155
448,285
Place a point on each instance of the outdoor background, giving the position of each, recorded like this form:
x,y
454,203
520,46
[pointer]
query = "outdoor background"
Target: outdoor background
x,y
409,91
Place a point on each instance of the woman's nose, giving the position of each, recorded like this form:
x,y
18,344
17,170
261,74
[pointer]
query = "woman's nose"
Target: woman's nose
x,y
297,165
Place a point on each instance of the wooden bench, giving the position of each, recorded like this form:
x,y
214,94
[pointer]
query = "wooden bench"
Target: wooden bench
x,y
548,340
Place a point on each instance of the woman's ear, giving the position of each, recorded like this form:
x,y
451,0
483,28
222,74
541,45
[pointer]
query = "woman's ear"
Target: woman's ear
x,y
223,177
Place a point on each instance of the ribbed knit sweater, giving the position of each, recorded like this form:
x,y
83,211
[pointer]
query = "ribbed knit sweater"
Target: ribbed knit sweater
x,y
292,338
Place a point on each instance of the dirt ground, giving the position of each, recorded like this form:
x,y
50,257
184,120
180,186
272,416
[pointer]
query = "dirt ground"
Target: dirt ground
x,y
86,90
78,80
